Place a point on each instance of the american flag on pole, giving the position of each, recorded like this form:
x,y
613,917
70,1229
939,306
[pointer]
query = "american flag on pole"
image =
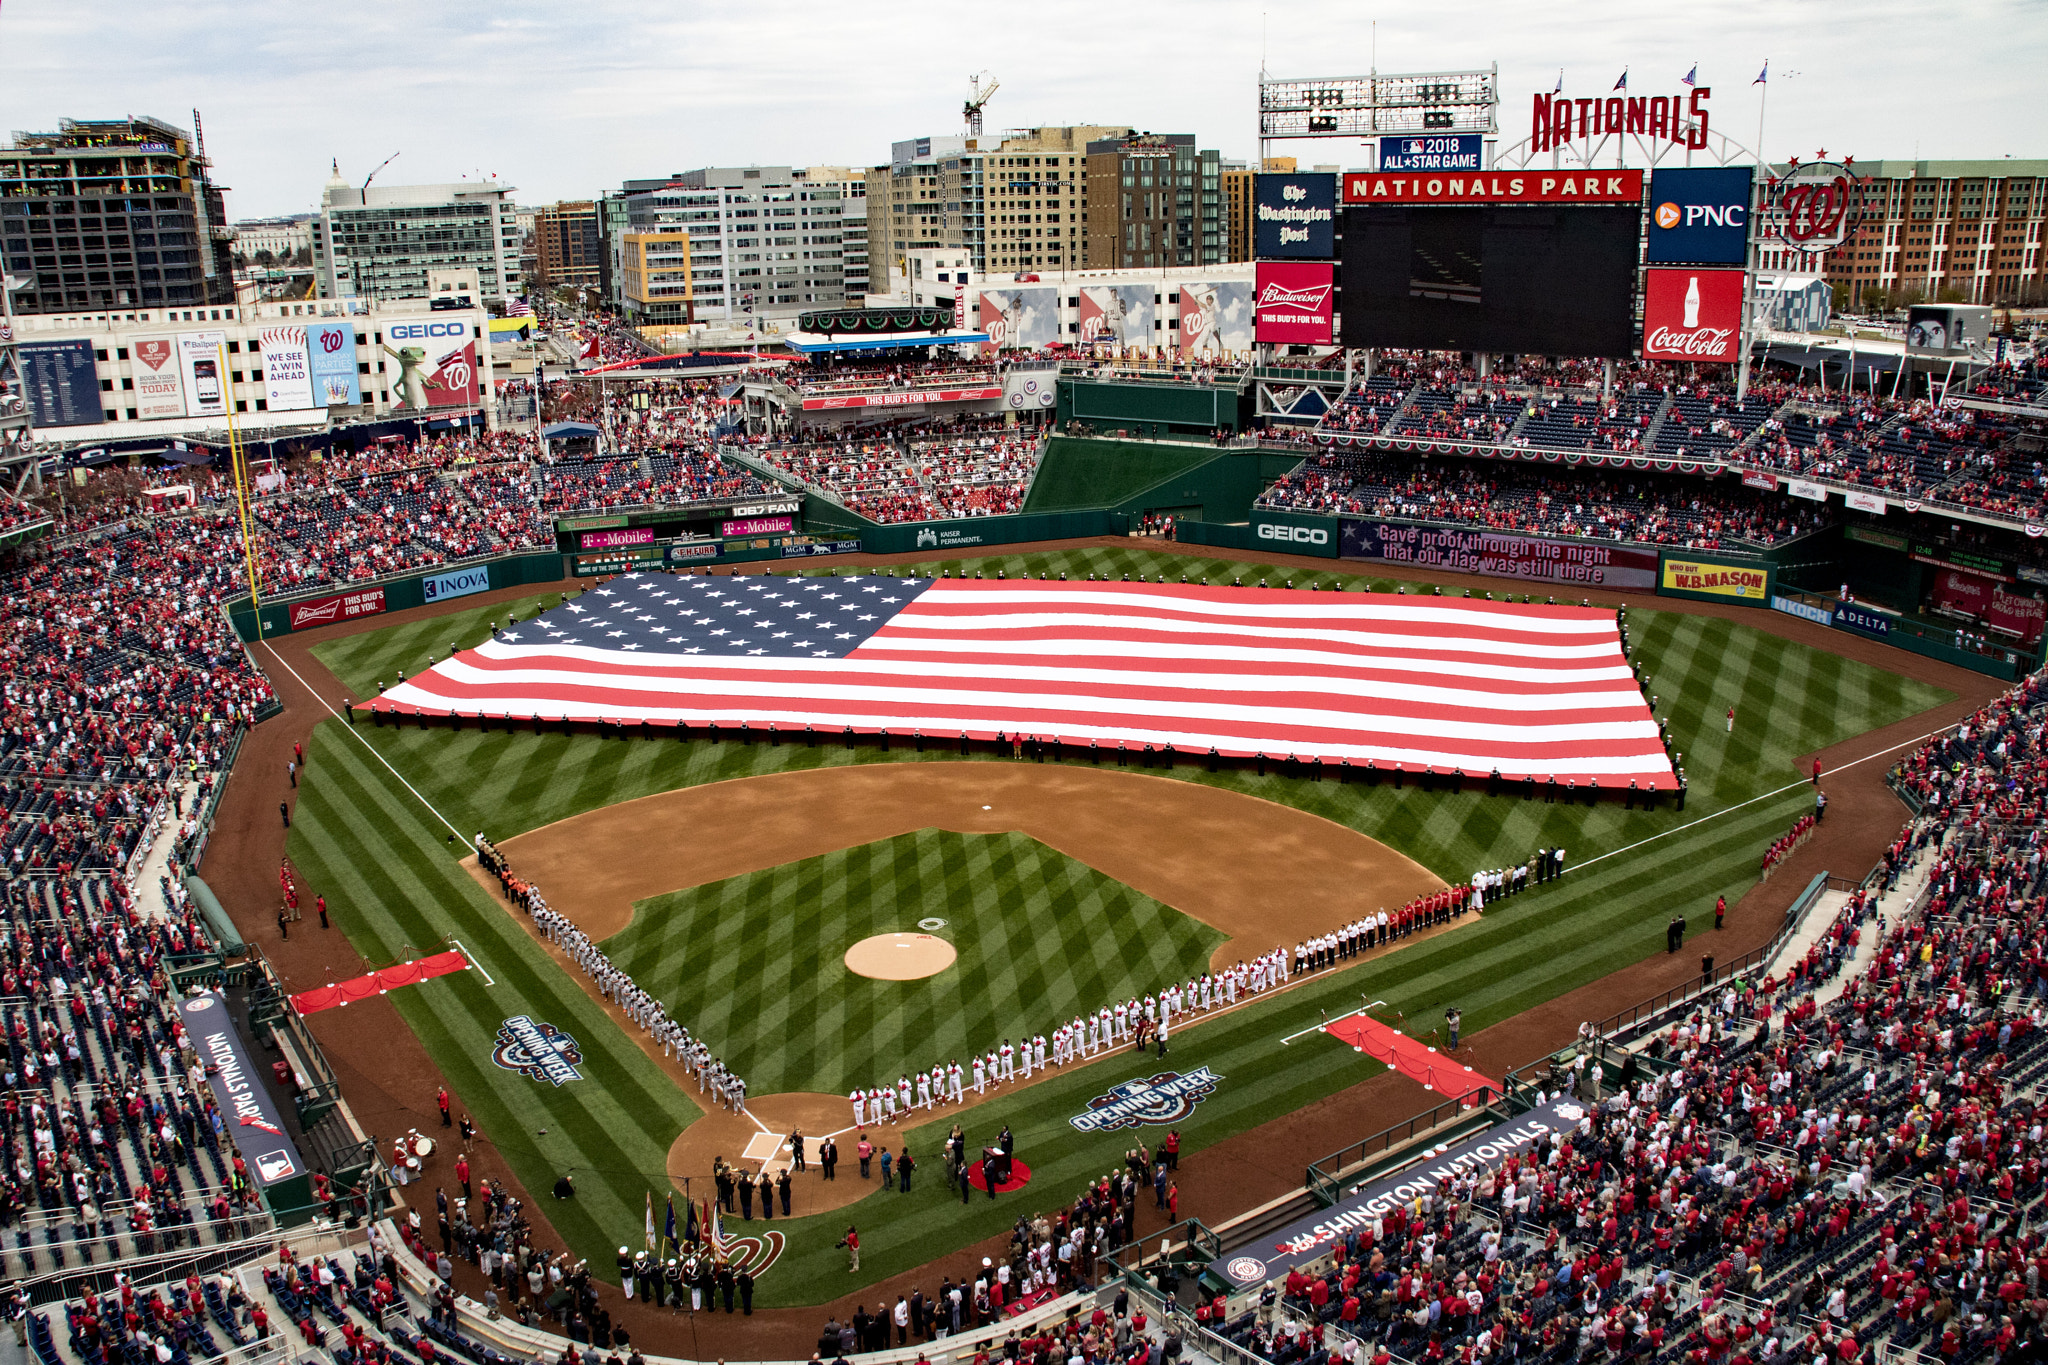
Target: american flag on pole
x,y
1442,683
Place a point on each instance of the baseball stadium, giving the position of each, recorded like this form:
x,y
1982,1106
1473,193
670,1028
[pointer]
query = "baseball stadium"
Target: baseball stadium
x,y
914,847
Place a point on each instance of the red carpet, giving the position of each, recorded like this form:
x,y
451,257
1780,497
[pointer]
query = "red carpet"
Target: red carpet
x,y
376,983
1020,1175
1411,1058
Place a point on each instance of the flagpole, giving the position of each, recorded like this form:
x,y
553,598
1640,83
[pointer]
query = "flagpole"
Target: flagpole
x,y
1749,275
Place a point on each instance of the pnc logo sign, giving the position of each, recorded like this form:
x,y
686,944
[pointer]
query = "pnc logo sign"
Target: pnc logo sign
x,y
1701,215
1298,535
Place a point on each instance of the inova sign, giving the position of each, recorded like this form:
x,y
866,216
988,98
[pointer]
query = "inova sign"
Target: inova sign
x,y
1293,535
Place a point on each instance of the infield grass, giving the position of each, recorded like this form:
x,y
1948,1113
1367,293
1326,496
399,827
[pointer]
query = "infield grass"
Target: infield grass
x,y
386,866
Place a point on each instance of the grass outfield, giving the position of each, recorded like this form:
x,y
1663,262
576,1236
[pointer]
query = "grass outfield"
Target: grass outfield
x,y
385,864
1040,936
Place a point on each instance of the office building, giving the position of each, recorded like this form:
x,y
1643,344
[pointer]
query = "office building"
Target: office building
x,y
114,214
852,184
1238,202
283,238
1956,231
759,242
568,247
1153,200
379,243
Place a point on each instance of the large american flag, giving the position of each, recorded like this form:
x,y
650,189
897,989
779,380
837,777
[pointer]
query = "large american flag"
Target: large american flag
x,y
1417,682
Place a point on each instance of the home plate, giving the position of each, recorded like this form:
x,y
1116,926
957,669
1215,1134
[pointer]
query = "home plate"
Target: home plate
x,y
762,1147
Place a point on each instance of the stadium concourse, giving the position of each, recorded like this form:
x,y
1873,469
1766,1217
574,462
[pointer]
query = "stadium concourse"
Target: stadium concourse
x,y
127,699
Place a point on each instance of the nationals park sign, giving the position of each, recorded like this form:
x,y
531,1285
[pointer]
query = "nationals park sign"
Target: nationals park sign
x,y
1310,1238
1505,187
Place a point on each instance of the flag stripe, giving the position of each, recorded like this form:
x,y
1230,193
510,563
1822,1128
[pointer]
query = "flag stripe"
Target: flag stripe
x,y
1525,690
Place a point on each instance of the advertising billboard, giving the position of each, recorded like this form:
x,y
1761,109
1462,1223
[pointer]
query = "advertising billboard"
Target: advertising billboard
x,y
200,357
1532,558
1215,318
613,540
287,370
1020,319
251,1115
1692,315
325,611
1295,303
1987,600
1119,314
1699,215
1294,216
1549,280
332,347
442,587
1946,329
436,362
63,383
757,526
1716,580
1496,187
159,384
1431,152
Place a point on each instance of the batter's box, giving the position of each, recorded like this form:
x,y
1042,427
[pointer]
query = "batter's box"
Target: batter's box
x,y
762,1146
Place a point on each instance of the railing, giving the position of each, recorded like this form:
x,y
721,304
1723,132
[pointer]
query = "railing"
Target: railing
x,y
163,1267
1188,1243
1326,1175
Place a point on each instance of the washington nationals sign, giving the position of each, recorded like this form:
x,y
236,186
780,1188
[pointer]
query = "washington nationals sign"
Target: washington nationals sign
x,y
1167,1097
541,1052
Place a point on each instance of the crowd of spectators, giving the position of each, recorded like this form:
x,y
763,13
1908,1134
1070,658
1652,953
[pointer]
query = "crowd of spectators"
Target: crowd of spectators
x,y
1497,495
980,471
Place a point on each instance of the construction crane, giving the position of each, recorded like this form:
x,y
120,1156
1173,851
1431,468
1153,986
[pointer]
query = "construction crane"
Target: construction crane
x,y
373,174
977,99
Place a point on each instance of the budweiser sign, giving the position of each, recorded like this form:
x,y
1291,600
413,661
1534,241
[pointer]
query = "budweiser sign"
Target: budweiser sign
x,y
904,399
325,611
1692,315
1294,303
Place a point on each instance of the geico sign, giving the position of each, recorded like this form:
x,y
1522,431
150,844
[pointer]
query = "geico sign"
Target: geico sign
x,y
420,331
1299,535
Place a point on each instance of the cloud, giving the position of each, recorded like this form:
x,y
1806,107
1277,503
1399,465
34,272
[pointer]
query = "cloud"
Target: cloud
x,y
565,101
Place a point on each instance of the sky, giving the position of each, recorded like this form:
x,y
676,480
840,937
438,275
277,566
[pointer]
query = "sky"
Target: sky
x,y
564,101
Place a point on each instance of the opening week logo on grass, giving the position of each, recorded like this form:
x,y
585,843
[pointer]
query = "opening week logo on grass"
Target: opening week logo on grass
x,y
539,1051
1167,1097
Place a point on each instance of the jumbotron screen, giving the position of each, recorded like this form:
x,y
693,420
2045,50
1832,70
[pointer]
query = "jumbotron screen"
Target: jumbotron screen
x,y
1527,278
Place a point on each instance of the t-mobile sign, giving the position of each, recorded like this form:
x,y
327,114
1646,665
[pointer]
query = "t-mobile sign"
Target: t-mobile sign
x,y
1692,315
1294,303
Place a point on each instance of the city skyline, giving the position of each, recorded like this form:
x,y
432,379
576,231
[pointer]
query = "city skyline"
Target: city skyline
x,y
564,110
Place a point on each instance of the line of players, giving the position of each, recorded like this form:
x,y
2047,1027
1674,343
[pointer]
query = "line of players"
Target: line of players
x,y
728,1089
1373,931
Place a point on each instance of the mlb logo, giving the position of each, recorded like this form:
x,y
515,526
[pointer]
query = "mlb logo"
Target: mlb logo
x,y
273,1166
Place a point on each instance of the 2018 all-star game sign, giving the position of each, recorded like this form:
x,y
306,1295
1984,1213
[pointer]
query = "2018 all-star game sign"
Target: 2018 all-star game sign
x,y
1157,1100
537,1051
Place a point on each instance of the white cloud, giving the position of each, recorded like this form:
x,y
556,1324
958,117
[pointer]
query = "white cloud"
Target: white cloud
x,y
565,101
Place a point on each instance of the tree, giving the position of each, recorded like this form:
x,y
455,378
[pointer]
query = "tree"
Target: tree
x,y
1948,293
266,258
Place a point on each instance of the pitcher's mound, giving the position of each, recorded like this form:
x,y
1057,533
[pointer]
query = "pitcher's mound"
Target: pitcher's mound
x,y
900,957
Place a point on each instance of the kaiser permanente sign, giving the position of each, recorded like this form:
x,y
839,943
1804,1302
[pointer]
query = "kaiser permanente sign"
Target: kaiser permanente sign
x,y
1311,1238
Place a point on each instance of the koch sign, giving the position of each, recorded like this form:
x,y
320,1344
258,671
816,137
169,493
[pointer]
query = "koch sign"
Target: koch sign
x,y
1438,152
1699,215
1515,187
251,1115
1311,1238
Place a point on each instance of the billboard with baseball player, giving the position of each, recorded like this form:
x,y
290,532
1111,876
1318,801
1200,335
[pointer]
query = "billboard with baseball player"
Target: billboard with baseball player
x,y
1020,319
1117,314
1215,319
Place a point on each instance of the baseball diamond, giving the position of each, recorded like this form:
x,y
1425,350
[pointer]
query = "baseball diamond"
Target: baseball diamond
x,y
360,833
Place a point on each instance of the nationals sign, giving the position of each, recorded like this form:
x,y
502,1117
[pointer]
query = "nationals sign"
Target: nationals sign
x,y
1692,315
1513,187
897,400
1294,302
325,611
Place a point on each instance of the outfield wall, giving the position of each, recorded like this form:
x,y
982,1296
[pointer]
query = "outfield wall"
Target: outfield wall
x,y
351,601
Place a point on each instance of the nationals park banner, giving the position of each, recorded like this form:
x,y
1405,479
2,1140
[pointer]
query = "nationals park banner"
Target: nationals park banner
x,y
1310,1238
1534,559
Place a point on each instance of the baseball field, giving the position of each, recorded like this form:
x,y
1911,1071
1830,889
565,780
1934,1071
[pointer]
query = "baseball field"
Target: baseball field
x,y
730,879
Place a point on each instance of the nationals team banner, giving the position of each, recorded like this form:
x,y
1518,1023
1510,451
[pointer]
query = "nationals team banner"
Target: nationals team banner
x,y
1311,1237
1530,690
1506,187
1294,303
1570,562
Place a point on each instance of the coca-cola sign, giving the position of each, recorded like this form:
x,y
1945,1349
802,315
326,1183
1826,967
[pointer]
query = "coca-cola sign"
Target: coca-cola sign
x,y
1294,303
1692,315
